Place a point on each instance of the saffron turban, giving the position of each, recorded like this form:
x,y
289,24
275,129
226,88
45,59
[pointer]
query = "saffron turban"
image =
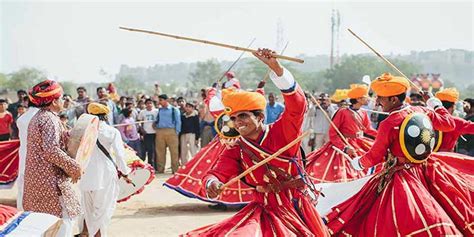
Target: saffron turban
x,y
448,94
97,108
358,91
339,95
45,92
235,101
388,85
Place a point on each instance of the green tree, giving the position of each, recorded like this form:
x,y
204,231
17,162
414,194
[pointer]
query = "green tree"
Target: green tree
x,y
205,74
468,92
353,68
25,78
128,85
3,80
69,87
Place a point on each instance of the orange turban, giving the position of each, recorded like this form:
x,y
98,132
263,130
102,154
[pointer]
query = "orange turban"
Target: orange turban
x,y
45,92
448,94
236,101
388,85
358,90
339,95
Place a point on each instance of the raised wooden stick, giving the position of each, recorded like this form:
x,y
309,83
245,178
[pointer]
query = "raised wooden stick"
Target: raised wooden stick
x,y
211,43
266,160
385,60
235,62
269,70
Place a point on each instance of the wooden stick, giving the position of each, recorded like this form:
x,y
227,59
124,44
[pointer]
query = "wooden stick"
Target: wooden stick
x,y
77,105
233,64
266,160
211,43
385,60
126,124
269,70
342,153
375,111
344,139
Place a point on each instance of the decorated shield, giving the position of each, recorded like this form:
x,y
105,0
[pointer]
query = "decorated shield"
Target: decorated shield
x,y
141,174
225,127
417,137
83,137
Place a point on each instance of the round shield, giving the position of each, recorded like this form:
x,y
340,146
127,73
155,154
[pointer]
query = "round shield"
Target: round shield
x,y
417,137
225,127
83,137
438,140
141,174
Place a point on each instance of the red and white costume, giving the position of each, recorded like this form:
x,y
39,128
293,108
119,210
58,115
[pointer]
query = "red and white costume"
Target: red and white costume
x,y
287,211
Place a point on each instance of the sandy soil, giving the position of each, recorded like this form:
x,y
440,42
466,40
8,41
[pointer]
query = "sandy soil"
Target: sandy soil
x,y
157,211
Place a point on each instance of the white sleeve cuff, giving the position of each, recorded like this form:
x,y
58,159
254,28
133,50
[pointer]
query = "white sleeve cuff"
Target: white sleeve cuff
x,y
208,183
285,82
356,164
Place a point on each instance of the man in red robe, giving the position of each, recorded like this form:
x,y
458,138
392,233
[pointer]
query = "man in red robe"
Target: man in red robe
x,y
187,180
281,205
353,121
328,165
422,196
449,97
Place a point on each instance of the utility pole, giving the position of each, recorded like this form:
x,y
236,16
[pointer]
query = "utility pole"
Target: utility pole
x,y
335,29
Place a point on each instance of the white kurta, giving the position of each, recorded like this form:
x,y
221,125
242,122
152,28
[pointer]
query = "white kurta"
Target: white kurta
x,y
22,124
99,184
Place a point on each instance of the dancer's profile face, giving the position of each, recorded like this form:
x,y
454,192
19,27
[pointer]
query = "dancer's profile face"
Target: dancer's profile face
x,y
388,103
364,100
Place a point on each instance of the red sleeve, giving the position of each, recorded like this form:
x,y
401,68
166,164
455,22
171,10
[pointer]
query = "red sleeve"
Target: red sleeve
x,y
441,119
227,166
382,142
261,91
466,127
291,121
334,137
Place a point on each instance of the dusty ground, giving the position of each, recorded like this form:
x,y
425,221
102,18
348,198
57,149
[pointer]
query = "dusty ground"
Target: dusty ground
x,y
157,211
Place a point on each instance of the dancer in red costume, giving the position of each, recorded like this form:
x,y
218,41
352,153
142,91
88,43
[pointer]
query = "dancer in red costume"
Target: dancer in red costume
x,y
416,194
449,97
280,206
187,180
327,164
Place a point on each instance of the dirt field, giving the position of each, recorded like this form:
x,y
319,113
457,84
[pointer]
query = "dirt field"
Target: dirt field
x,y
157,211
